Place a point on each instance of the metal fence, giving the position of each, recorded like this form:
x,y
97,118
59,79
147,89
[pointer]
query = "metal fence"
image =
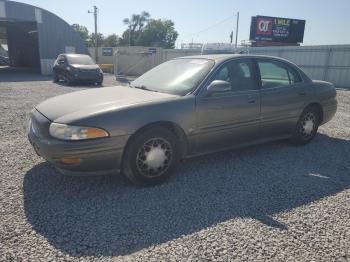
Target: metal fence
x,y
329,63
135,61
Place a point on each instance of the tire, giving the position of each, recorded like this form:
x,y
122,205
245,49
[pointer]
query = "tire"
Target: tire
x,y
307,126
151,156
55,78
68,80
100,81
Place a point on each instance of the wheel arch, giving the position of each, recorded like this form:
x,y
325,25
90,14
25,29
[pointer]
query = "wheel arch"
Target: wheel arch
x,y
171,126
318,107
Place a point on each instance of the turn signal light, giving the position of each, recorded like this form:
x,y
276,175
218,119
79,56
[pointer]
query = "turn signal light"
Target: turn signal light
x,y
71,160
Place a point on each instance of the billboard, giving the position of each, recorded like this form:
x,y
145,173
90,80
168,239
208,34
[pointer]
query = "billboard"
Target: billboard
x,y
277,29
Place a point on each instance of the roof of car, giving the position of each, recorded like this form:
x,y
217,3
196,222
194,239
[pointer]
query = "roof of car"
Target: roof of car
x,y
222,57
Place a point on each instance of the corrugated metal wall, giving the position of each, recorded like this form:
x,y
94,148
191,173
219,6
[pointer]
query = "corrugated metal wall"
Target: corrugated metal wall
x,y
328,63
135,61
169,54
54,34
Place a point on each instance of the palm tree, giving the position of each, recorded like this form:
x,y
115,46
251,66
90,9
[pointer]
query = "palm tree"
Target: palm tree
x,y
137,21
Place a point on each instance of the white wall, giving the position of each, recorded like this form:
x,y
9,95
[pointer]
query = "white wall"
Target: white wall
x,y
101,58
329,62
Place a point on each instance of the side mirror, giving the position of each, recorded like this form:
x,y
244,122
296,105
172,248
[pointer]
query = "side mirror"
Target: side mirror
x,y
219,86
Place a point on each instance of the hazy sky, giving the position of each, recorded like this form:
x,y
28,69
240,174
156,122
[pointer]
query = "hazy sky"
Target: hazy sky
x,y
327,22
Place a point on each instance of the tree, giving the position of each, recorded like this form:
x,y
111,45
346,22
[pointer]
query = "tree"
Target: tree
x,y
83,32
111,41
159,33
100,39
135,25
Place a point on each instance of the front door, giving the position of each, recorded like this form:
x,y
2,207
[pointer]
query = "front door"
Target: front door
x,y
229,118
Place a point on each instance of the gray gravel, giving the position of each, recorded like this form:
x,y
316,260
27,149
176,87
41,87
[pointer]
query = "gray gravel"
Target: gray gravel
x,y
270,202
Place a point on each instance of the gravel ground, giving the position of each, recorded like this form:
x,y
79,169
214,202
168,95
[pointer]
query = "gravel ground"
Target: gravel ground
x,y
269,202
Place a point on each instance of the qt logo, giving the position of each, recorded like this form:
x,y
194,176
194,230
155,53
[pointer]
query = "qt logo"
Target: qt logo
x,y
264,26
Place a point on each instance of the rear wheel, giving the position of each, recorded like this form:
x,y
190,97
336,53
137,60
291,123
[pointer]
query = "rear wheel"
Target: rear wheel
x,y
151,156
307,126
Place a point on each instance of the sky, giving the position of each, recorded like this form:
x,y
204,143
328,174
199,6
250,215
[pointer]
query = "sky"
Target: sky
x,y
208,21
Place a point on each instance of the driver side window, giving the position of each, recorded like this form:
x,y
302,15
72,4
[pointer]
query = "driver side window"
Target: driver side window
x,y
222,74
239,73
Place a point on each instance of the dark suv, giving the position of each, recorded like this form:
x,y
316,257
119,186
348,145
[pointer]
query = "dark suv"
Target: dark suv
x,y
73,68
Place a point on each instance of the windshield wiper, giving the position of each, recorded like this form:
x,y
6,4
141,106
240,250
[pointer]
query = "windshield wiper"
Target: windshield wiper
x,y
144,88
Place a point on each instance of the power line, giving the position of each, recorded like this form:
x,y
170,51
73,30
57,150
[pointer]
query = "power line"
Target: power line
x,y
208,28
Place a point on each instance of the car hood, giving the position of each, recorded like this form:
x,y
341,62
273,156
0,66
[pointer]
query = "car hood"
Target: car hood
x,y
85,66
81,104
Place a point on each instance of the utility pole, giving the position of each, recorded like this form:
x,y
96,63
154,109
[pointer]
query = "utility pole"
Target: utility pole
x,y
237,29
96,36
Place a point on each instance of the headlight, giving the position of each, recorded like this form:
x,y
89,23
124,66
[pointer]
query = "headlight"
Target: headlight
x,y
67,132
100,70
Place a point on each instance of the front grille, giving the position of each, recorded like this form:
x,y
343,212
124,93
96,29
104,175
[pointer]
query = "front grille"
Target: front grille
x,y
88,70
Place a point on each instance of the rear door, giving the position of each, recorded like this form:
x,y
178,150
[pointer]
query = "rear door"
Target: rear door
x,y
283,96
230,118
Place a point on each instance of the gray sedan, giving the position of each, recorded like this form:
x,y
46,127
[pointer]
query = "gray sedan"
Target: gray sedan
x,y
182,108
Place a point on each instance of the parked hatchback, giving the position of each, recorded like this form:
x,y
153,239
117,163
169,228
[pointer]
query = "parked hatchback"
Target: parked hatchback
x,y
73,68
184,107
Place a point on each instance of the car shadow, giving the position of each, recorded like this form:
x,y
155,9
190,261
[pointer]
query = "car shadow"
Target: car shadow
x,y
106,216
78,85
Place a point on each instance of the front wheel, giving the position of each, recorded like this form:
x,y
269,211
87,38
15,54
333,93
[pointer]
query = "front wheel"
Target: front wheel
x,y
55,78
307,126
68,80
98,83
151,156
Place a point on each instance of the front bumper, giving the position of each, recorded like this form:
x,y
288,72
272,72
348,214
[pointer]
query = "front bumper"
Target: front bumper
x,y
98,156
329,110
85,77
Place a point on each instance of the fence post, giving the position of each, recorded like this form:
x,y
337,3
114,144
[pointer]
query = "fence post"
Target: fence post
x,y
327,64
115,55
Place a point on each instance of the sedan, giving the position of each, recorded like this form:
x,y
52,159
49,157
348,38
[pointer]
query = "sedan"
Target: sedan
x,y
182,108
73,68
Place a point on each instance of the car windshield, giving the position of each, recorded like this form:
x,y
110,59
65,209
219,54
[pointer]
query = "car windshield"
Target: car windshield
x,y
178,77
80,60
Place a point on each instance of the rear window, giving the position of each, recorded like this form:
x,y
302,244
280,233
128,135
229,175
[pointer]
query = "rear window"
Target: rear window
x,y
276,74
